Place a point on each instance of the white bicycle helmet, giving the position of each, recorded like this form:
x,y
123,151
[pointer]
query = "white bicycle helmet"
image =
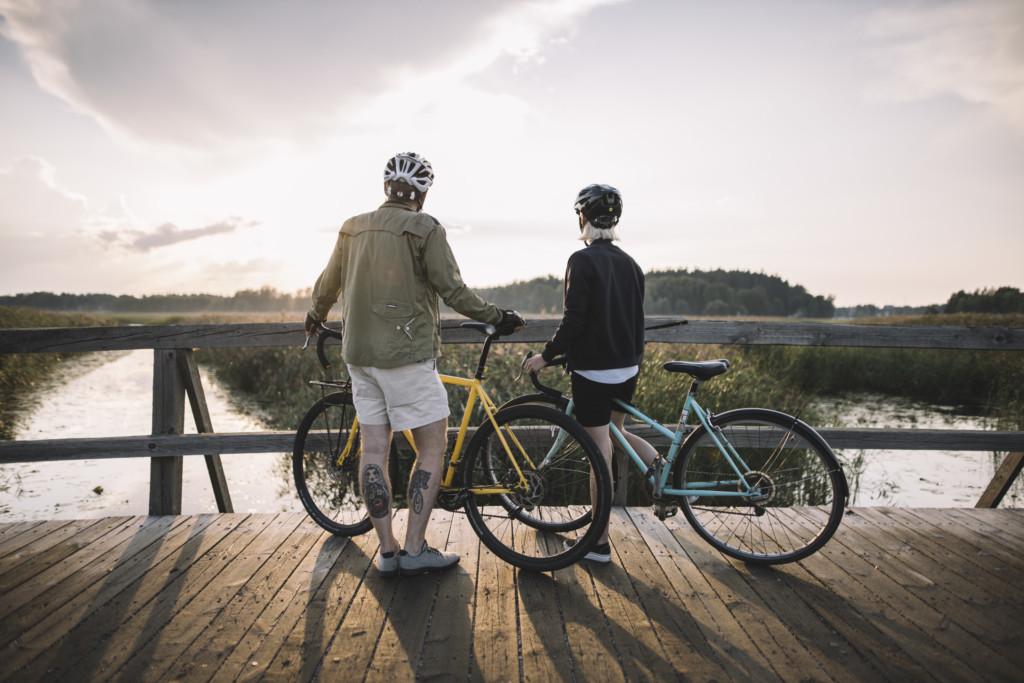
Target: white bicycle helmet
x,y
412,169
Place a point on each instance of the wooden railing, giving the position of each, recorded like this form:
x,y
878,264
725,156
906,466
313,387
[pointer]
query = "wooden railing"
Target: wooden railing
x,y
175,376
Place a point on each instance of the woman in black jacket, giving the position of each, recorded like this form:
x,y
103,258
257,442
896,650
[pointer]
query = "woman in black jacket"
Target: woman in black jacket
x,y
602,329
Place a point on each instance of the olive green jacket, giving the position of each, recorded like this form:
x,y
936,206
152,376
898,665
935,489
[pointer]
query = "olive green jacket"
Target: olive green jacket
x,y
389,266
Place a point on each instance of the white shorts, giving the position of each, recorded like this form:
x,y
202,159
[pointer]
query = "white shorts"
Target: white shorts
x,y
405,397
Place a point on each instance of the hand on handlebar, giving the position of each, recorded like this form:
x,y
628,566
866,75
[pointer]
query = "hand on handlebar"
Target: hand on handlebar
x,y
534,363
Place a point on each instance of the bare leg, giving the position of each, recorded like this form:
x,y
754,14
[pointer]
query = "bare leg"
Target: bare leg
x,y
425,480
375,482
603,438
645,450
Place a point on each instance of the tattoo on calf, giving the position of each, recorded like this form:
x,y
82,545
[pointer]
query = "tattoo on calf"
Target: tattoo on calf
x,y
417,485
375,491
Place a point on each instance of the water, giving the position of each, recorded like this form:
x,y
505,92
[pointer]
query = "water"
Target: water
x,y
114,399
915,478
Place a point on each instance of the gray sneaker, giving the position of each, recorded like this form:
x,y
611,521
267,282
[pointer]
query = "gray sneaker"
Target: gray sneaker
x,y
426,560
387,564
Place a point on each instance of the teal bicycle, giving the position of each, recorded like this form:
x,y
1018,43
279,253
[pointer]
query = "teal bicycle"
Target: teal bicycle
x,y
759,485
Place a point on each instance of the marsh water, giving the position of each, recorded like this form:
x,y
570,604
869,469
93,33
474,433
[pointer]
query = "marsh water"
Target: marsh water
x,y
112,398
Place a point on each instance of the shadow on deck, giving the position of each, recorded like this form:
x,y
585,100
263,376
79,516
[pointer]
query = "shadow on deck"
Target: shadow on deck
x,y
896,595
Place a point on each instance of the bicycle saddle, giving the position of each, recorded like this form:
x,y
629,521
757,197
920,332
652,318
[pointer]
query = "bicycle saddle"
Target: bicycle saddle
x,y
483,328
698,370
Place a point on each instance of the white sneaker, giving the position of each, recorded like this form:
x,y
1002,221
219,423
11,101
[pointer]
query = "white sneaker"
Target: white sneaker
x,y
426,560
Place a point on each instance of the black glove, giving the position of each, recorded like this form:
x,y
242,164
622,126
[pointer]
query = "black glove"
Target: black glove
x,y
311,324
509,323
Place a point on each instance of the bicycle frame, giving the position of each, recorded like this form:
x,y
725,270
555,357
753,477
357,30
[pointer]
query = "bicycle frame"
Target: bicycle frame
x,y
476,393
676,439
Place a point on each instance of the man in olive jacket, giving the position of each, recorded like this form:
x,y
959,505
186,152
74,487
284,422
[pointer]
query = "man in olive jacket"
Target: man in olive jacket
x,y
390,266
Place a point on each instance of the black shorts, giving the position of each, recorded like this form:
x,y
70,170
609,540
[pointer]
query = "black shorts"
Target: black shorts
x,y
592,401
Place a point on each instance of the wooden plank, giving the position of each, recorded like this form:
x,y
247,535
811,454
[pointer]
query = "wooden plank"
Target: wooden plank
x,y
204,425
9,530
449,639
591,642
723,332
988,546
316,593
401,641
789,657
923,633
15,569
640,650
30,533
732,646
23,606
956,580
495,636
347,649
983,615
93,592
977,564
254,598
684,644
544,652
165,474
155,446
96,633
211,582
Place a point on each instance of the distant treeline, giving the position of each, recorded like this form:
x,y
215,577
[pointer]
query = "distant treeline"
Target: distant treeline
x,y
990,300
684,292
1002,300
263,300
669,292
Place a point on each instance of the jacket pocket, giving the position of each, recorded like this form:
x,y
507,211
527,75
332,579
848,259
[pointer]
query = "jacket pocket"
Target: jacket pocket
x,y
393,309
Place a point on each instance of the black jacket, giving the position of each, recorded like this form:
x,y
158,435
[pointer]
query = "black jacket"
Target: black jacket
x,y
603,323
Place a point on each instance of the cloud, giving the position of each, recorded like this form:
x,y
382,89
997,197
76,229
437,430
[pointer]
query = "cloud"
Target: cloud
x,y
973,50
32,202
204,75
169,233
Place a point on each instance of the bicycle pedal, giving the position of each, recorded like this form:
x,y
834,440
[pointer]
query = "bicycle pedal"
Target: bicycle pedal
x,y
665,510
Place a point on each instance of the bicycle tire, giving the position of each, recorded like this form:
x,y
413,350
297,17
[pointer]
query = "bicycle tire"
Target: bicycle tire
x,y
562,490
330,493
766,440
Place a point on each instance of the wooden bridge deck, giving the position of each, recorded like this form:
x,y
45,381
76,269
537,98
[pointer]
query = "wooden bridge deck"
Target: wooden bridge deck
x,y
896,595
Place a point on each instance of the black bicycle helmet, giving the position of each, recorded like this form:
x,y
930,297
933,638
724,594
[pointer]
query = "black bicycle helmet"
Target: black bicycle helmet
x,y
412,170
601,205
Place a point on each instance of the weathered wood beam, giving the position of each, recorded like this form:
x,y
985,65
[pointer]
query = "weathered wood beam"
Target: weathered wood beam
x,y
1004,477
281,442
727,332
165,474
204,425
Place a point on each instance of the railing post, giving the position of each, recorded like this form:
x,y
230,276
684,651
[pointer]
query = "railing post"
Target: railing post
x,y
1005,475
168,418
204,425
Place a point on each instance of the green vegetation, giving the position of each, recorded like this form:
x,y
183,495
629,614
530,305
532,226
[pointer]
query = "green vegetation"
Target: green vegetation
x,y
669,292
1001,300
24,376
684,292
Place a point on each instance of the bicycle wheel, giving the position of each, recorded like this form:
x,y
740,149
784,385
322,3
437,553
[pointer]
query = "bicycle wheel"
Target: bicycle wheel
x,y
794,473
325,464
525,526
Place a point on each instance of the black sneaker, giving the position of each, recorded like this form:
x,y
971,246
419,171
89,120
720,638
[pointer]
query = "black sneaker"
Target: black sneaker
x,y
600,553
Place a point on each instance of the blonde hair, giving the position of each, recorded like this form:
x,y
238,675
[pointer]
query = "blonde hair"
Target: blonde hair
x,y
590,233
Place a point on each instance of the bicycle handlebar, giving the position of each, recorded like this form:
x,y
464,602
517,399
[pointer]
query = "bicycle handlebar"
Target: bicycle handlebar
x,y
543,388
323,333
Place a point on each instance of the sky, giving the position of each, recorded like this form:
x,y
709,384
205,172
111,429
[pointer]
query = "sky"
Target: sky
x,y
872,151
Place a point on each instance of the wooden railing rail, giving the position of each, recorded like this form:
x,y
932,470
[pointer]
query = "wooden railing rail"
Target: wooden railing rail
x,y
175,377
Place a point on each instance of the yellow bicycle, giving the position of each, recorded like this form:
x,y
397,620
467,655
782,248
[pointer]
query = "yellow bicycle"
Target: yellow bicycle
x,y
523,475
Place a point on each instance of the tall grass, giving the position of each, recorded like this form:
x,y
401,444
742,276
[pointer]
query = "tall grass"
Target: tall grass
x,y
24,377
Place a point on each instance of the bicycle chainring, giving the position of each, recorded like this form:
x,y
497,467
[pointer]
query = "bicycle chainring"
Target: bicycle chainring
x,y
452,500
